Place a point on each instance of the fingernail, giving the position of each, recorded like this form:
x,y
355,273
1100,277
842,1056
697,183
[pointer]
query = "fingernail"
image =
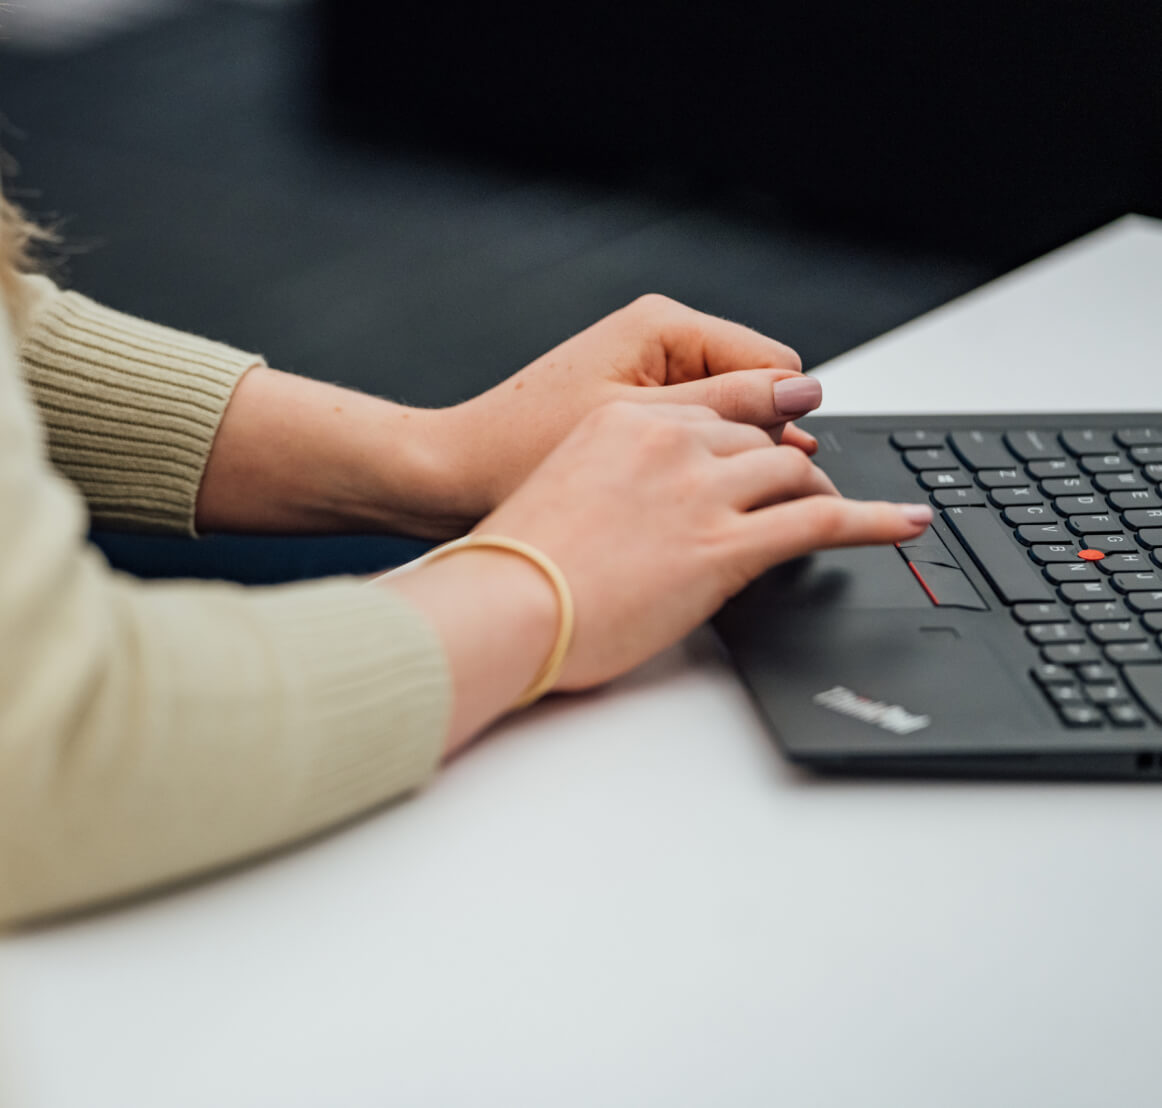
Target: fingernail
x,y
916,514
795,396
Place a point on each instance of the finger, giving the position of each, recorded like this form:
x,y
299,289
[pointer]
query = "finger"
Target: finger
x,y
698,344
719,436
646,400
763,397
798,438
727,439
797,527
759,478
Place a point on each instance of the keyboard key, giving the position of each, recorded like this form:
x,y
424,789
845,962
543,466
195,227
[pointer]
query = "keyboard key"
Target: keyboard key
x,y
1088,442
1097,673
1152,621
1123,630
1106,694
1066,694
1138,436
1147,581
1105,463
1124,563
1066,486
1125,715
1007,569
1135,498
1049,532
1109,544
1071,654
1151,536
1015,497
1032,533
933,457
1087,592
1049,674
909,440
1144,601
1053,467
1143,454
1001,478
1040,613
1095,611
1079,505
1081,715
1029,446
1061,573
1045,634
981,449
962,498
944,479
1146,684
1117,482
1045,553
1095,524
1031,513
1143,517
1133,653
1153,472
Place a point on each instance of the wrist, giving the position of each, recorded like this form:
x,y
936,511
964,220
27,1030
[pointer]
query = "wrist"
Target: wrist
x,y
497,617
410,474
492,442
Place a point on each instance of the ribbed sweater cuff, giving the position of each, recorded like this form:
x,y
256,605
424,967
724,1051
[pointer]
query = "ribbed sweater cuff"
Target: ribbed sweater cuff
x,y
131,409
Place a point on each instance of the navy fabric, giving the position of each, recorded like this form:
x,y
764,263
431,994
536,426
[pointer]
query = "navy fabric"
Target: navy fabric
x,y
255,559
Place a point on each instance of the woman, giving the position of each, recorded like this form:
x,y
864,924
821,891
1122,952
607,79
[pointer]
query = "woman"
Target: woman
x,y
151,732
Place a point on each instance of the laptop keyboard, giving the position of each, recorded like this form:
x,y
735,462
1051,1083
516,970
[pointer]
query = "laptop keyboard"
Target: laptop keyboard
x,y
1066,527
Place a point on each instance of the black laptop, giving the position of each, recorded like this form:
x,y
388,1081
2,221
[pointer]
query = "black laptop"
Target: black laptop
x,y
1018,637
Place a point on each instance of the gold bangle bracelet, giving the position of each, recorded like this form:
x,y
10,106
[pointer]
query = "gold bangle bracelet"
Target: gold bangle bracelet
x,y
550,671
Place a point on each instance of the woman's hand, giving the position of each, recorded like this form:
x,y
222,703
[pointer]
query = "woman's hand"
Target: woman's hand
x,y
298,455
653,351
656,514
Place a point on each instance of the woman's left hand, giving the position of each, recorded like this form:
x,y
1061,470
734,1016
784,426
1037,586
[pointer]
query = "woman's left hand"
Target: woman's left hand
x,y
295,455
653,350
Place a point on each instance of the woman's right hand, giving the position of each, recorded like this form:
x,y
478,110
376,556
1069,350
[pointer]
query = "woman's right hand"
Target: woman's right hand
x,y
656,515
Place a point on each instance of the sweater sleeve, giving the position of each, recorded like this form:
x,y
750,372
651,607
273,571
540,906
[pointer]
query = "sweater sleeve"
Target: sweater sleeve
x,y
130,408
153,732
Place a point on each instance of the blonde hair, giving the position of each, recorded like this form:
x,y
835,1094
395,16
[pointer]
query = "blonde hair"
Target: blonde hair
x,y
18,238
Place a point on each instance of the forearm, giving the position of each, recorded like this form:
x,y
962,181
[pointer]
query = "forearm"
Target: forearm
x,y
194,726
151,732
296,455
165,431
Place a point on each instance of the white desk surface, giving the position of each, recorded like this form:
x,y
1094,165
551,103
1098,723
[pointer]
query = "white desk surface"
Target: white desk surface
x,y
630,899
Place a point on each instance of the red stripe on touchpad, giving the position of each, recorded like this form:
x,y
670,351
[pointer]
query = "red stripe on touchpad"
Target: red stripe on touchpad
x,y
923,583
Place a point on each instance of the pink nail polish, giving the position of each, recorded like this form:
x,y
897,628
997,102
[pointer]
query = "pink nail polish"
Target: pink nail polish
x,y
795,396
916,514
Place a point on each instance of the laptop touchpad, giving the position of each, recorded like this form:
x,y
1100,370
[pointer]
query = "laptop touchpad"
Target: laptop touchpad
x,y
861,577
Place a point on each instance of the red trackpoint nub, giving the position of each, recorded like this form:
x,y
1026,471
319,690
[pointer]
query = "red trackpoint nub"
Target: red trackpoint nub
x,y
1091,555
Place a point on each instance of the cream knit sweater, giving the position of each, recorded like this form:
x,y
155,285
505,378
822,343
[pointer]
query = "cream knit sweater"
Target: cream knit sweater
x,y
149,732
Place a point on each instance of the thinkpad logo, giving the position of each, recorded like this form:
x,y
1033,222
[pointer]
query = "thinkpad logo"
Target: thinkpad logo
x,y
891,717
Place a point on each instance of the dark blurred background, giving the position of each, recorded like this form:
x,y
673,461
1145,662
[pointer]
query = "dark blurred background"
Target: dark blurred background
x,y
417,199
